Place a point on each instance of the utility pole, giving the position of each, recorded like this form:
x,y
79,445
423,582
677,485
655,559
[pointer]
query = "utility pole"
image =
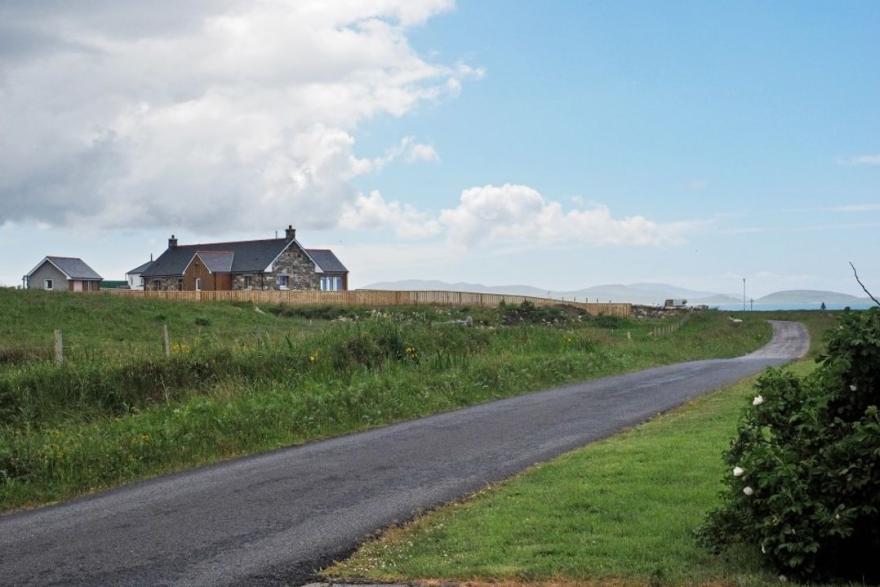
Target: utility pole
x,y
744,294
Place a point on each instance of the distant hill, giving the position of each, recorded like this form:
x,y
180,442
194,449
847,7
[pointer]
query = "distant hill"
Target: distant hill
x,y
433,285
636,293
809,296
715,300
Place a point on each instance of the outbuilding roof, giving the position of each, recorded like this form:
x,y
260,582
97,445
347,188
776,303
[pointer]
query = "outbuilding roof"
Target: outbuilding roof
x,y
327,261
71,267
139,269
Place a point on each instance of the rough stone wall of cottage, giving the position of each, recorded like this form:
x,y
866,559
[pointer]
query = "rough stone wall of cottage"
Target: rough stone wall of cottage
x,y
300,270
239,281
293,262
164,283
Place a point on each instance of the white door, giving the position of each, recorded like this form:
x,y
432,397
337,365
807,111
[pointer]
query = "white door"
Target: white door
x,y
77,285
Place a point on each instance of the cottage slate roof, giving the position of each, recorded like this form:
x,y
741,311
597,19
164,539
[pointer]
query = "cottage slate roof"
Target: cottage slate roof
x,y
217,261
327,261
139,268
73,268
248,256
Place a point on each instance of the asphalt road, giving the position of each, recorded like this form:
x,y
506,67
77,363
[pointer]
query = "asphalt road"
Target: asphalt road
x,y
274,518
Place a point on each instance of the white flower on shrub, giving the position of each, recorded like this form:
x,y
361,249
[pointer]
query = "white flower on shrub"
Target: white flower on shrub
x,y
748,490
763,550
738,471
853,387
759,399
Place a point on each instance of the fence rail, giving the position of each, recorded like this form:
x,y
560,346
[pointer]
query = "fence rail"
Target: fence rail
x,y
370,297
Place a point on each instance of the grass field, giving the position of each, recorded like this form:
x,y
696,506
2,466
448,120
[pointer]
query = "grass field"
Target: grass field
x,y
241,380
621,511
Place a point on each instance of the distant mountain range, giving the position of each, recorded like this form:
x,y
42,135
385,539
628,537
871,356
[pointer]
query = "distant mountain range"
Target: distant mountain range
x,y
636,293
810,296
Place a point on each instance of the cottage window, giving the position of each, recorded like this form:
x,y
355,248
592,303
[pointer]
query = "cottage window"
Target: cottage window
x,y
198,284
247,282
180,285
48,284
282,281
331,283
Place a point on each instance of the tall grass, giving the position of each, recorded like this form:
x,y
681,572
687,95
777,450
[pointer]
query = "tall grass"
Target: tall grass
x,y
107,417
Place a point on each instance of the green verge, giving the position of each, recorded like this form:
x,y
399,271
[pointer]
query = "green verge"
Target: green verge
x,y
619,511
623,509
118,410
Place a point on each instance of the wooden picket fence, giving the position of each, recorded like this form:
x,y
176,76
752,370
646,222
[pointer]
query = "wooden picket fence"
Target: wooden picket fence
x,y
370,297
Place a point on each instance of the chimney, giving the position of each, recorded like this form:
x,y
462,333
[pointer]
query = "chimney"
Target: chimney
x,y
290,233
172,242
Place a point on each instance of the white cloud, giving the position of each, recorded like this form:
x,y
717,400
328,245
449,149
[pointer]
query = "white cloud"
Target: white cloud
x,y
207,115
511,212
408,150
421,152
374,212
861,160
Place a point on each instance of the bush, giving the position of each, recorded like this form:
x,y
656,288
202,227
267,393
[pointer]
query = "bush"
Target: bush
x,y
529,313
368,347
15,355
608,322
322,312
804,485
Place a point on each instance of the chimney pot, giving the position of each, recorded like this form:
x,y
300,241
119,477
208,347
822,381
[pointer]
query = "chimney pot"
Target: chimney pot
x,y
290,232
172,242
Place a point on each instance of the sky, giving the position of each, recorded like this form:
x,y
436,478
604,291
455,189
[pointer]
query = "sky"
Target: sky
x,y
562,144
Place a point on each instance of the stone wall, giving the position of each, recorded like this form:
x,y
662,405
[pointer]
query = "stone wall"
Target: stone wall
x,y
165,283
293,263
299,269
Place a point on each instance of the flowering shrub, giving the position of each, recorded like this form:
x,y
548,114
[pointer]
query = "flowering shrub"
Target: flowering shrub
x,y
804,477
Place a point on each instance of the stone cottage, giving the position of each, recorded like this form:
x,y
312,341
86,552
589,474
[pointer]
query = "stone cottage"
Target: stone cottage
x,y
279,263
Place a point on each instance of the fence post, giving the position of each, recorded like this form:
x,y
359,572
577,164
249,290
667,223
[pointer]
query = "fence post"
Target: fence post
x,y
166,340
59,347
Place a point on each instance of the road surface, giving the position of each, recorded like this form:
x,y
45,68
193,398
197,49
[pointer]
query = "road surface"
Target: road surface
x,y
272,519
